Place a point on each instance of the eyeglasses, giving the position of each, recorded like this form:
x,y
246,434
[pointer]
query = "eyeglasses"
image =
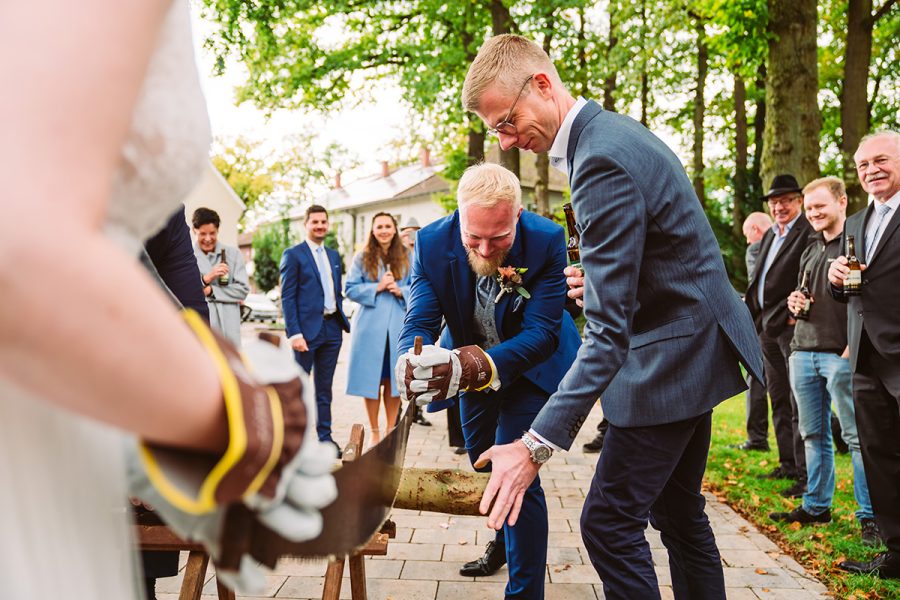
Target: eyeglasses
x,y
506,126
784,201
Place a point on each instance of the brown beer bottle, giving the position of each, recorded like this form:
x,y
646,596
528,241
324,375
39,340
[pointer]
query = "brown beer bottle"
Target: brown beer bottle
x,y
803,315
225,277
853,283
573,245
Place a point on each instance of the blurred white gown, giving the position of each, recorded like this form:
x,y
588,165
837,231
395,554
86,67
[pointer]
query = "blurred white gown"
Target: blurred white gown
x,y
63,523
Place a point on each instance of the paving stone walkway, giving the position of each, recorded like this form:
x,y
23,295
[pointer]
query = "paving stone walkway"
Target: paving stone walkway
x,y
424,559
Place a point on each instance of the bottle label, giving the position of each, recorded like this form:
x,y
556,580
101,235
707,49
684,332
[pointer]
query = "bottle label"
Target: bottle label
x,y
854,278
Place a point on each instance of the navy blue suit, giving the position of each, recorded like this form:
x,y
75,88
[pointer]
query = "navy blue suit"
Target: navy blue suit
x,y
538,342
303,304
664,337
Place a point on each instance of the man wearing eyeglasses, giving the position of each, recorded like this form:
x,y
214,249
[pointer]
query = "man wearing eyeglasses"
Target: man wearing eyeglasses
x,y
664,337
774,278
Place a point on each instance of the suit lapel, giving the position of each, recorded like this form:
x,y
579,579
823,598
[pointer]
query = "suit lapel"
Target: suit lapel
x,y
514,259
790,239
889,229
306,251
463,281
590,110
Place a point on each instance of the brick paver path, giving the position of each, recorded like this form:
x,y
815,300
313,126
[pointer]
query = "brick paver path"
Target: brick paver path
x,y
423,561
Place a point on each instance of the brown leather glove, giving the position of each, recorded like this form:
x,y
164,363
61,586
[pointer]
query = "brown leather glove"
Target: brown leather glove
x,y
438,373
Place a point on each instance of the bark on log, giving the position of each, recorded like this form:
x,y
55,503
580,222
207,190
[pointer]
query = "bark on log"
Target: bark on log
x,y
448,491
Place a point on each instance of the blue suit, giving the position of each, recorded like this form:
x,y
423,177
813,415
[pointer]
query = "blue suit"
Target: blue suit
x,y
664,337
538,342
303,304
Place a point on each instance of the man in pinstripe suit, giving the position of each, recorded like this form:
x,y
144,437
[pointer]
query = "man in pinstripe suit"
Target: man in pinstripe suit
x,y
662,346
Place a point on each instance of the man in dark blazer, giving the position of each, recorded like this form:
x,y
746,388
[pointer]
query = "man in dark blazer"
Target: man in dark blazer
x,y
774,278
313,316
171,256
510,349
873,332
664,337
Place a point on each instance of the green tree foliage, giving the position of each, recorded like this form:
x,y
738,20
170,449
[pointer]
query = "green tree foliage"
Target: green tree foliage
x,y
269,243
245,171
640,58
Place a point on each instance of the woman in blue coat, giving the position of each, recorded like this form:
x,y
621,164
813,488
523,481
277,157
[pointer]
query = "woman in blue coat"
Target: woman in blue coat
x,y
378,281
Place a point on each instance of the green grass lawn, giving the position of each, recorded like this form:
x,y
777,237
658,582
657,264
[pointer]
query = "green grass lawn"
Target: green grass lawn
x,y
732,474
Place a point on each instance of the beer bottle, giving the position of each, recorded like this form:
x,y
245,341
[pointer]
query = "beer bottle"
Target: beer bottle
x,y
803,314
223,278
853,283
573,245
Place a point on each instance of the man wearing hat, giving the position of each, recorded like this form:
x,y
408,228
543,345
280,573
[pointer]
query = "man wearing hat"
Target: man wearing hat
x,y
774,278
408,233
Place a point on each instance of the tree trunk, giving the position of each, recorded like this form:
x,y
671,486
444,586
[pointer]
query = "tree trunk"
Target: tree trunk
x,y
854,99
700,111
448,491
502,22
739,210
475,151
609,82
542,160
759,124
740,154
645,84
793,123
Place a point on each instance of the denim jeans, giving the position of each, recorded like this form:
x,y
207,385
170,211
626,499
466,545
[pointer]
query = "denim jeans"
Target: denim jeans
x,y
817,379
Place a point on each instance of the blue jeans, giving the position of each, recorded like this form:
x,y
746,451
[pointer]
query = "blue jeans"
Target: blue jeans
x,y
817,379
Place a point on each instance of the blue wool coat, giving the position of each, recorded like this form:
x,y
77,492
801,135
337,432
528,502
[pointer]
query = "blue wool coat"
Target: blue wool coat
x,y
377,322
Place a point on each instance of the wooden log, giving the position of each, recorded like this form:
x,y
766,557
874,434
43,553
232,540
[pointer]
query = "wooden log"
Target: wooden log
x,y
448,491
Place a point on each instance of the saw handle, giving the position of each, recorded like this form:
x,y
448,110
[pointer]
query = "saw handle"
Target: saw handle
x,y
417,345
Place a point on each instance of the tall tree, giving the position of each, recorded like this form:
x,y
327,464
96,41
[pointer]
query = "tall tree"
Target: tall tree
x,y
854,97
793,122
700,107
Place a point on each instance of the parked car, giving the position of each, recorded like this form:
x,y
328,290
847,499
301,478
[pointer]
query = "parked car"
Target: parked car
x,y
261,308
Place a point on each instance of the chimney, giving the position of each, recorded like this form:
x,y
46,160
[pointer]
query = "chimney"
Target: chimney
x,y
426,156
385,169
337,180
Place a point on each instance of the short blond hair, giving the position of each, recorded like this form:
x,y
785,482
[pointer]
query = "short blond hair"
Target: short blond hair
x,y
835,186
488,184
505,60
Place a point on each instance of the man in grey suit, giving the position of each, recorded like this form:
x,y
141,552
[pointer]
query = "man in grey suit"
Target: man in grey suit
x,y
662,346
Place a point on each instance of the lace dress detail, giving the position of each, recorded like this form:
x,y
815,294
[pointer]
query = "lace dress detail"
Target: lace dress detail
x,y
63,518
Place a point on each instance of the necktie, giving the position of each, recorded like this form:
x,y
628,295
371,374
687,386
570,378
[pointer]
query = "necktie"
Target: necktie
x,y
327,283
872,238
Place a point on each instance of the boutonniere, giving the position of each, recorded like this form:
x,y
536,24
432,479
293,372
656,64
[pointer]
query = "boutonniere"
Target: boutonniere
x,y
510,280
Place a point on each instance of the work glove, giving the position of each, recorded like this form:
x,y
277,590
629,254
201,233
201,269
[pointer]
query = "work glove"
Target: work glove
x,y
437,373
274,464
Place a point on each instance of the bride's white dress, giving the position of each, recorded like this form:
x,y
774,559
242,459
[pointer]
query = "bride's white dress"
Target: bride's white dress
x,y
63,522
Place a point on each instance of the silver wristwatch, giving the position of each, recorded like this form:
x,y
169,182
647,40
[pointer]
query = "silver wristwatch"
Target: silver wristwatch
x,y
540,453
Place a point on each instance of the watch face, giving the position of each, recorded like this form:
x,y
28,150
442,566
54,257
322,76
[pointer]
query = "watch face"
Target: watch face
x,y
541,454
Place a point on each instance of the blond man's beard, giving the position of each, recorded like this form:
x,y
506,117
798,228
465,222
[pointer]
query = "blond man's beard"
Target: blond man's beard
x,y
485,267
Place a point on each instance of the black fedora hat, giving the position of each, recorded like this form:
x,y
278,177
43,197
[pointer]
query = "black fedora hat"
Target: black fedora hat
x,y
782,184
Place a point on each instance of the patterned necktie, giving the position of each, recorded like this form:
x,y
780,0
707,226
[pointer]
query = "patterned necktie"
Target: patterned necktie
x,y
872,238
327,283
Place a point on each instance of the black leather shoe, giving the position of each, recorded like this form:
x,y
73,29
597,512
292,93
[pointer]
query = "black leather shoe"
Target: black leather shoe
x,y
796,490
886,564
494,558
748,445
420,420
595,445
460,450
799,515
779,472
870,534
